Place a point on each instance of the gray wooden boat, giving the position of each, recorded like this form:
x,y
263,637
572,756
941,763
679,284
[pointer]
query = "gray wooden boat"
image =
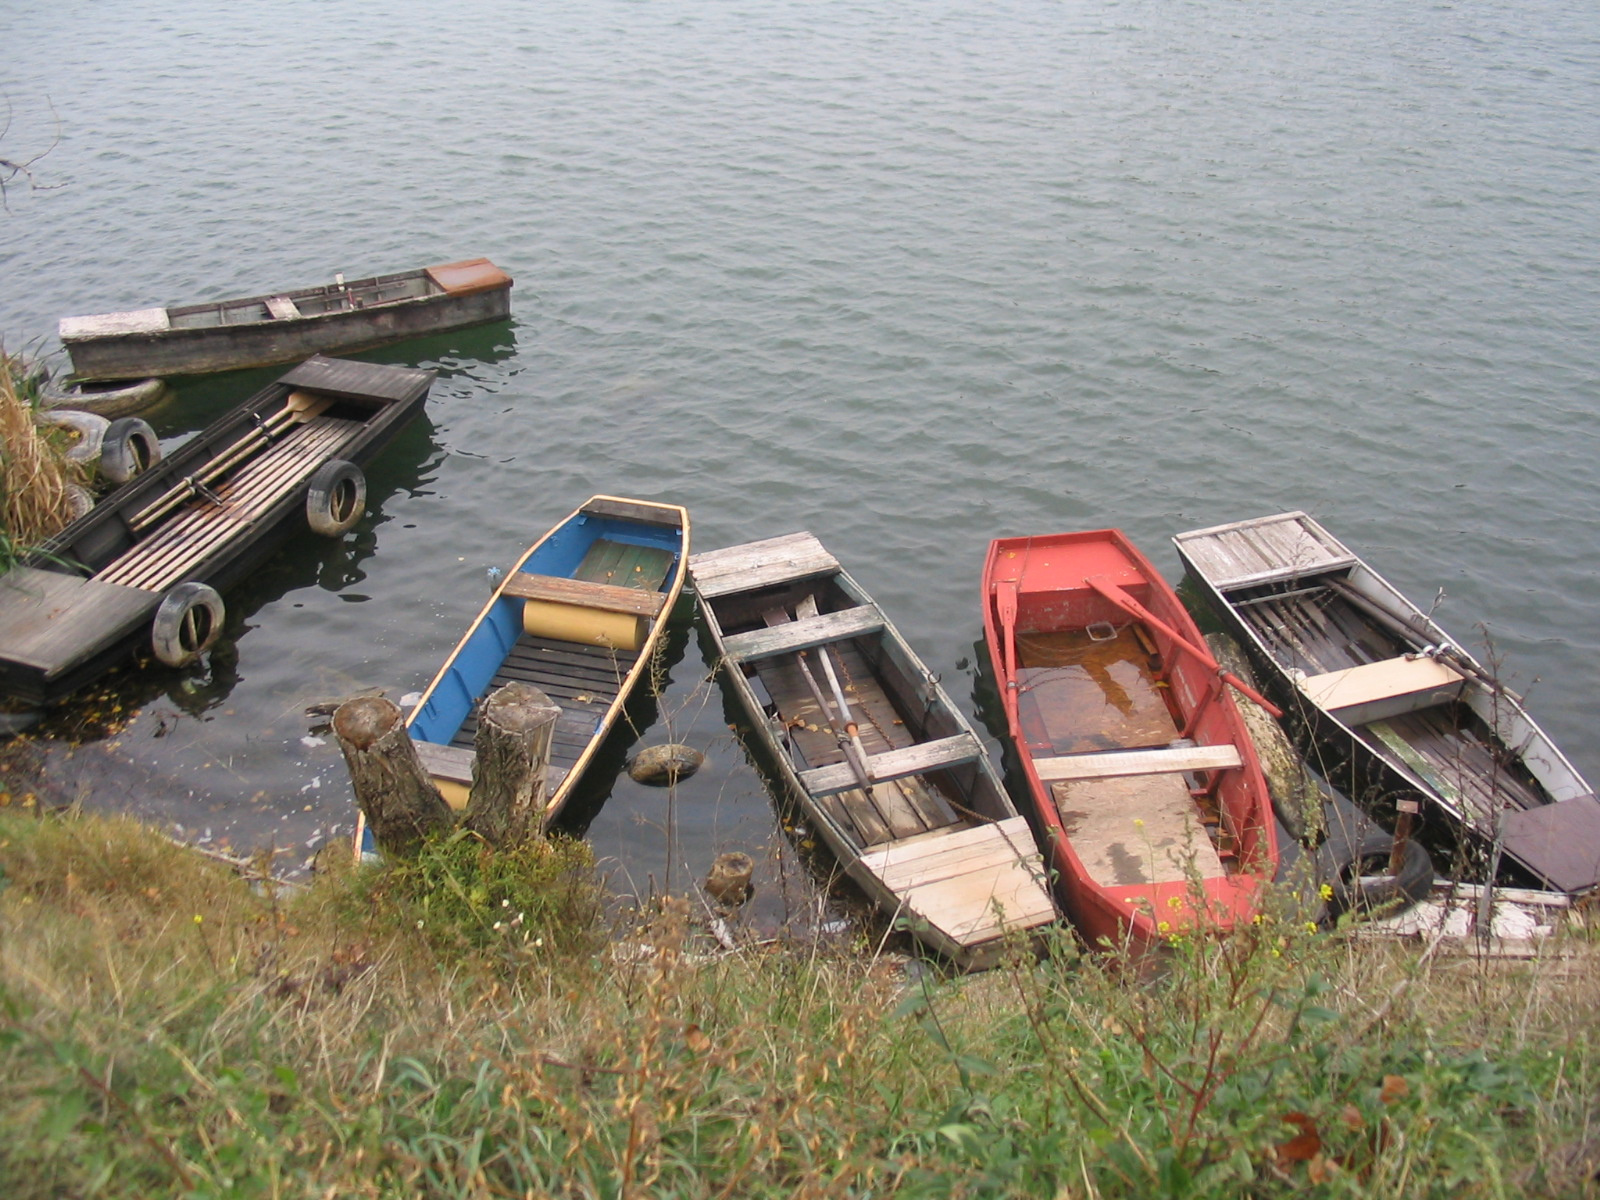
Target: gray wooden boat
x,y
886,769
257,331
144,567
1378,680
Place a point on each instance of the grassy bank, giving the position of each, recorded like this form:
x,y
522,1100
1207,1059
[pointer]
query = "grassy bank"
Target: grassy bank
x,y
33,475
469,1028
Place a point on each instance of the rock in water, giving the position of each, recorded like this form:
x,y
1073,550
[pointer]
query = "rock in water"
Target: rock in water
x,y
660,766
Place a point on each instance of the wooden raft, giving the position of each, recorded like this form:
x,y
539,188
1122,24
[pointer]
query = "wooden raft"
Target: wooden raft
x,y
194,533
583,680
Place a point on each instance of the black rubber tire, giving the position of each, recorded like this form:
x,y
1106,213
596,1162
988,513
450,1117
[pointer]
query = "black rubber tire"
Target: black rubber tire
x,y
187,623
1360,879
130,447
335,498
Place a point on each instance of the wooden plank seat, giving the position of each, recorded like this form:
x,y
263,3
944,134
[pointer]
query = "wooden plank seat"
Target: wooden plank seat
x,y
1136,830
805,633
1373,691
283,308
975,882
180,543
758,565
1117,763
894,764
582,594
453,764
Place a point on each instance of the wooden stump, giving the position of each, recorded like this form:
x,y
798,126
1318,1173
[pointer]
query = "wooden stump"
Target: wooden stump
x,y
512,748
400,802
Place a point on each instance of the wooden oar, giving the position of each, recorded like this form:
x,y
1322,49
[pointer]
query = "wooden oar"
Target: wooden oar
x,y
299,408
808,608
1005,606
1131,606
858,766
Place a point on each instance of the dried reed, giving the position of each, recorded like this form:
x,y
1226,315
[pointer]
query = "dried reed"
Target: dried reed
x,y
34,503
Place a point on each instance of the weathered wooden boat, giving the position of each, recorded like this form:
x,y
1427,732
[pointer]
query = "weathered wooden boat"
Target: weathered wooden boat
x,y
1412,713
257,331
146,564
578,617
1143,779
886,769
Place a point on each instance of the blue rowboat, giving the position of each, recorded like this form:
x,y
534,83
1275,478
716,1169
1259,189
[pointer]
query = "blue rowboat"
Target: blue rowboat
x,y
578,617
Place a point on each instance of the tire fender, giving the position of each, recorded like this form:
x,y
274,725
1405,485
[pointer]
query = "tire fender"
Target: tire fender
x,y
91,431
335,498
129,448
1359,875
187,623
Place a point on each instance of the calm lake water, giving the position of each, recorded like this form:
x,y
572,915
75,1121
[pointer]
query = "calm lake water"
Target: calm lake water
x,y
908,276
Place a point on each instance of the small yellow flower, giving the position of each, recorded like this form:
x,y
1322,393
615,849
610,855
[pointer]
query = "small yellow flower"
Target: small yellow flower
x,y
198,919
1138,823
1163,927
1326,891
1311,926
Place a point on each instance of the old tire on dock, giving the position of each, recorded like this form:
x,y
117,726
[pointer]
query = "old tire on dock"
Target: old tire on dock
x,y
130,447
336,497
186,624
1359,875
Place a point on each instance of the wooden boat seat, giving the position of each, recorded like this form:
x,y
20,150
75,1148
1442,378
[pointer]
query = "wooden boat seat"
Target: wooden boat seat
x,y
582,594
450,768
894,764
805,633
1378,690
1162,761
759,565
976,882
1133,831
283,308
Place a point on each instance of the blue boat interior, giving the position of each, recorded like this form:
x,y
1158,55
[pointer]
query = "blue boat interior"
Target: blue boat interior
x,y
583,679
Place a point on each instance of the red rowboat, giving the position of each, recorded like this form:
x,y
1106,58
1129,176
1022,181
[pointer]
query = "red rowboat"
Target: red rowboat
x,y
1143,778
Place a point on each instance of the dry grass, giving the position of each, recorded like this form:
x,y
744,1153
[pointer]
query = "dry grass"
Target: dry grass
x,y
33,475
165,1028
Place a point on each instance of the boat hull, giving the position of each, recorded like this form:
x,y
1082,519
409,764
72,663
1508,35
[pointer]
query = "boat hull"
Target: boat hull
x,y
266,341
1408,715
561,622
1127,740
84,602
935,843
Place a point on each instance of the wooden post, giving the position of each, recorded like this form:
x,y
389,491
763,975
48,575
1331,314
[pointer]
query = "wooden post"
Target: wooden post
x,y
506,805
400,802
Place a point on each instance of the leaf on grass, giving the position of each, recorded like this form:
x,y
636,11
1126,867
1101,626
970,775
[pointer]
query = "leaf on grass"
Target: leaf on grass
x,y
1352,1118
1305,1145
695,1038
1395,1088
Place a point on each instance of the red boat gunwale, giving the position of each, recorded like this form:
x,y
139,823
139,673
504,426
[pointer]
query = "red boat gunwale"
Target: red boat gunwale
x,y
1058,583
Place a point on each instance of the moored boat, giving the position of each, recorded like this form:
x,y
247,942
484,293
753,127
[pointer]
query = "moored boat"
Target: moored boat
x,y
579,617
1411,712
1144,782
886,769
256,331
146,564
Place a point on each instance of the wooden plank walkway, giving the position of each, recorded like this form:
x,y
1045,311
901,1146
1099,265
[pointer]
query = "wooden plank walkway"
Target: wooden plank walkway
x,y
181,543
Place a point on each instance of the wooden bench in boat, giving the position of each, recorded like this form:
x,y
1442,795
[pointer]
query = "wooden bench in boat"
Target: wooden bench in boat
x,y
757,565
1376,691
1160,761
974,882
894,764
453,765
283,308
582,594
805,633
180,543
1133,830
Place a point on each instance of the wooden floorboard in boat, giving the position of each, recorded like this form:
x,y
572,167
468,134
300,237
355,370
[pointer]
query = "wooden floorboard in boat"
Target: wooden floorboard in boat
x,y
895,809
1457,760
1133,830
1077,694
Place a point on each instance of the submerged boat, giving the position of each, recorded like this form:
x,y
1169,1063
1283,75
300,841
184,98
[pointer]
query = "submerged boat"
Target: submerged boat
x,y
578,617
1143,779
886,769
258,331
145,566
1414,714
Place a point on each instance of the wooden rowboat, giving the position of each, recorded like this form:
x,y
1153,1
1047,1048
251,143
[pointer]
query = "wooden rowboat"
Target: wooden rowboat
x,y
1143,779
340,317
145,565
1412,714
578,617
886,769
